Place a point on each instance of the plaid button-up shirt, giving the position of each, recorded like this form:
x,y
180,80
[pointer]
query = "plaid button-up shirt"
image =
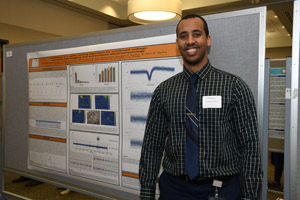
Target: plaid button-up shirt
x,y
228,137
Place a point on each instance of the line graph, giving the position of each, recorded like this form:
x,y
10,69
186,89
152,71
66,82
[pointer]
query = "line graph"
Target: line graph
x,y
94,155
135,143
48,124
141,77
141,95
155,68
80,164
138,119
90,145
52,88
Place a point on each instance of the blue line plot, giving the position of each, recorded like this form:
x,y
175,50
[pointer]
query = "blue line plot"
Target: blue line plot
x,y
48,124
53,122
138,119
155,68
140,95
136,143
89,145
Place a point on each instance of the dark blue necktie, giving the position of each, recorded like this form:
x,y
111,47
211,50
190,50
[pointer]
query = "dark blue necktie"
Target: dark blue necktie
x,y
192,110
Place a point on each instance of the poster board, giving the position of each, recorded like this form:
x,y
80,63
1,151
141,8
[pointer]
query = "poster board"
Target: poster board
x,y
233,49
277,108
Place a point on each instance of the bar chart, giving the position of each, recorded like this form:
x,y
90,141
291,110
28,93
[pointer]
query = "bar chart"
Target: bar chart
x,y
82,74
79,81
107,75
97,77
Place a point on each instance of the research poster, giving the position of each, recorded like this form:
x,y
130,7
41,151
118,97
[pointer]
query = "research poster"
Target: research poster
x,y
88,107
277,102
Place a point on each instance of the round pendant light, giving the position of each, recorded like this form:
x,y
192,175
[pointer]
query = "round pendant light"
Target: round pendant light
x,y
149,11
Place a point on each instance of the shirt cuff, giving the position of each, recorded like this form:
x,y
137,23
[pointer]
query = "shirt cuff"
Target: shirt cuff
x,y
147,193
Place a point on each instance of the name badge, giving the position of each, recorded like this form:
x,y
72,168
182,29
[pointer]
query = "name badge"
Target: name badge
x,y
217,183
211,102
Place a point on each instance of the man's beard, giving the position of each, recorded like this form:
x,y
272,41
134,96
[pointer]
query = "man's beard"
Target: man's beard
x,y
193,62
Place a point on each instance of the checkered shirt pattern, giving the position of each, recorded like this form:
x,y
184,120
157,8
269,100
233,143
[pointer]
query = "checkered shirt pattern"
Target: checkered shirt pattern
x,y
228,137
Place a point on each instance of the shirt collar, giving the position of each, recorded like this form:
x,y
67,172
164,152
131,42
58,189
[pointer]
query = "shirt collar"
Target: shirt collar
x,y
201,73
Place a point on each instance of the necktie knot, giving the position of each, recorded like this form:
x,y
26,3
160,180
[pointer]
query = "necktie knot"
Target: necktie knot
x,y
193,79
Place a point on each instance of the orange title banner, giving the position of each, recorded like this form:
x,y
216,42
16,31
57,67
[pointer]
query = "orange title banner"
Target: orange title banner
x,y
47,104
47,69
132,53
47,138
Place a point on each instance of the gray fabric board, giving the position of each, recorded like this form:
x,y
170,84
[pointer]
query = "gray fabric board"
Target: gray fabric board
x,y
234,49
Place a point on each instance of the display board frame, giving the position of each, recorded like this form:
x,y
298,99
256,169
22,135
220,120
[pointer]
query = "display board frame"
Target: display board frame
x,y
16,93
287,137
292,146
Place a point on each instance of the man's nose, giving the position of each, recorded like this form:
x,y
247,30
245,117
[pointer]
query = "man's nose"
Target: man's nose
x,y
190,40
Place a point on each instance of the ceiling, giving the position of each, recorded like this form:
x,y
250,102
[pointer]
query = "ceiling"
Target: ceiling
x,y
279,13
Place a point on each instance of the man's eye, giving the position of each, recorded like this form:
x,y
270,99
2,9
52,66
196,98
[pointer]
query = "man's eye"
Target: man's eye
x,y
183,36
197,34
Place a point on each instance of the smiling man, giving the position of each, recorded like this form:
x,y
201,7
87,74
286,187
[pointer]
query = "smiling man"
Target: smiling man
x,y
192,41
203,121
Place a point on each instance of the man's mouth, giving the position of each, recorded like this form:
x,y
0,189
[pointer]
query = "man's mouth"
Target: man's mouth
x,y
191,51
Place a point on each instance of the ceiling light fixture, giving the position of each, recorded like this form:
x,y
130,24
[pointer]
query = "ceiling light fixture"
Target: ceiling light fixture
x,y
145,12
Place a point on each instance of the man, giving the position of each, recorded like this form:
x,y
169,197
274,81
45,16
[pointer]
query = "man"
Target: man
x,y
221,130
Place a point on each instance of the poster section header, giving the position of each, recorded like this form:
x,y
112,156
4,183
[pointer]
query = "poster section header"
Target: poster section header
x,y
141,52
47,69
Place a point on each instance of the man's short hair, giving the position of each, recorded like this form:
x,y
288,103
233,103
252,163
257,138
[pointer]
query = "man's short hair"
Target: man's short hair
x,y
189,16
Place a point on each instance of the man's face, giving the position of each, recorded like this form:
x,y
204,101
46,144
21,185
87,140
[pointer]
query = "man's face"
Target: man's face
x,y
192,42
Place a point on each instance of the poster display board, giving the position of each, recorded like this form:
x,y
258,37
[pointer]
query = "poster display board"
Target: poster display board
x,y
82,102
277,102
88,107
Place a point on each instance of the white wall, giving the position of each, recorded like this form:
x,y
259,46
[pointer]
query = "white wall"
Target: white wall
x,y
280,52
16,34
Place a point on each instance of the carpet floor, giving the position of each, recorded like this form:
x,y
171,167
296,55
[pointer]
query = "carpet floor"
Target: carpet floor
x,y
46,191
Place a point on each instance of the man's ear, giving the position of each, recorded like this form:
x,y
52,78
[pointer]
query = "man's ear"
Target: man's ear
x,y
208,41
